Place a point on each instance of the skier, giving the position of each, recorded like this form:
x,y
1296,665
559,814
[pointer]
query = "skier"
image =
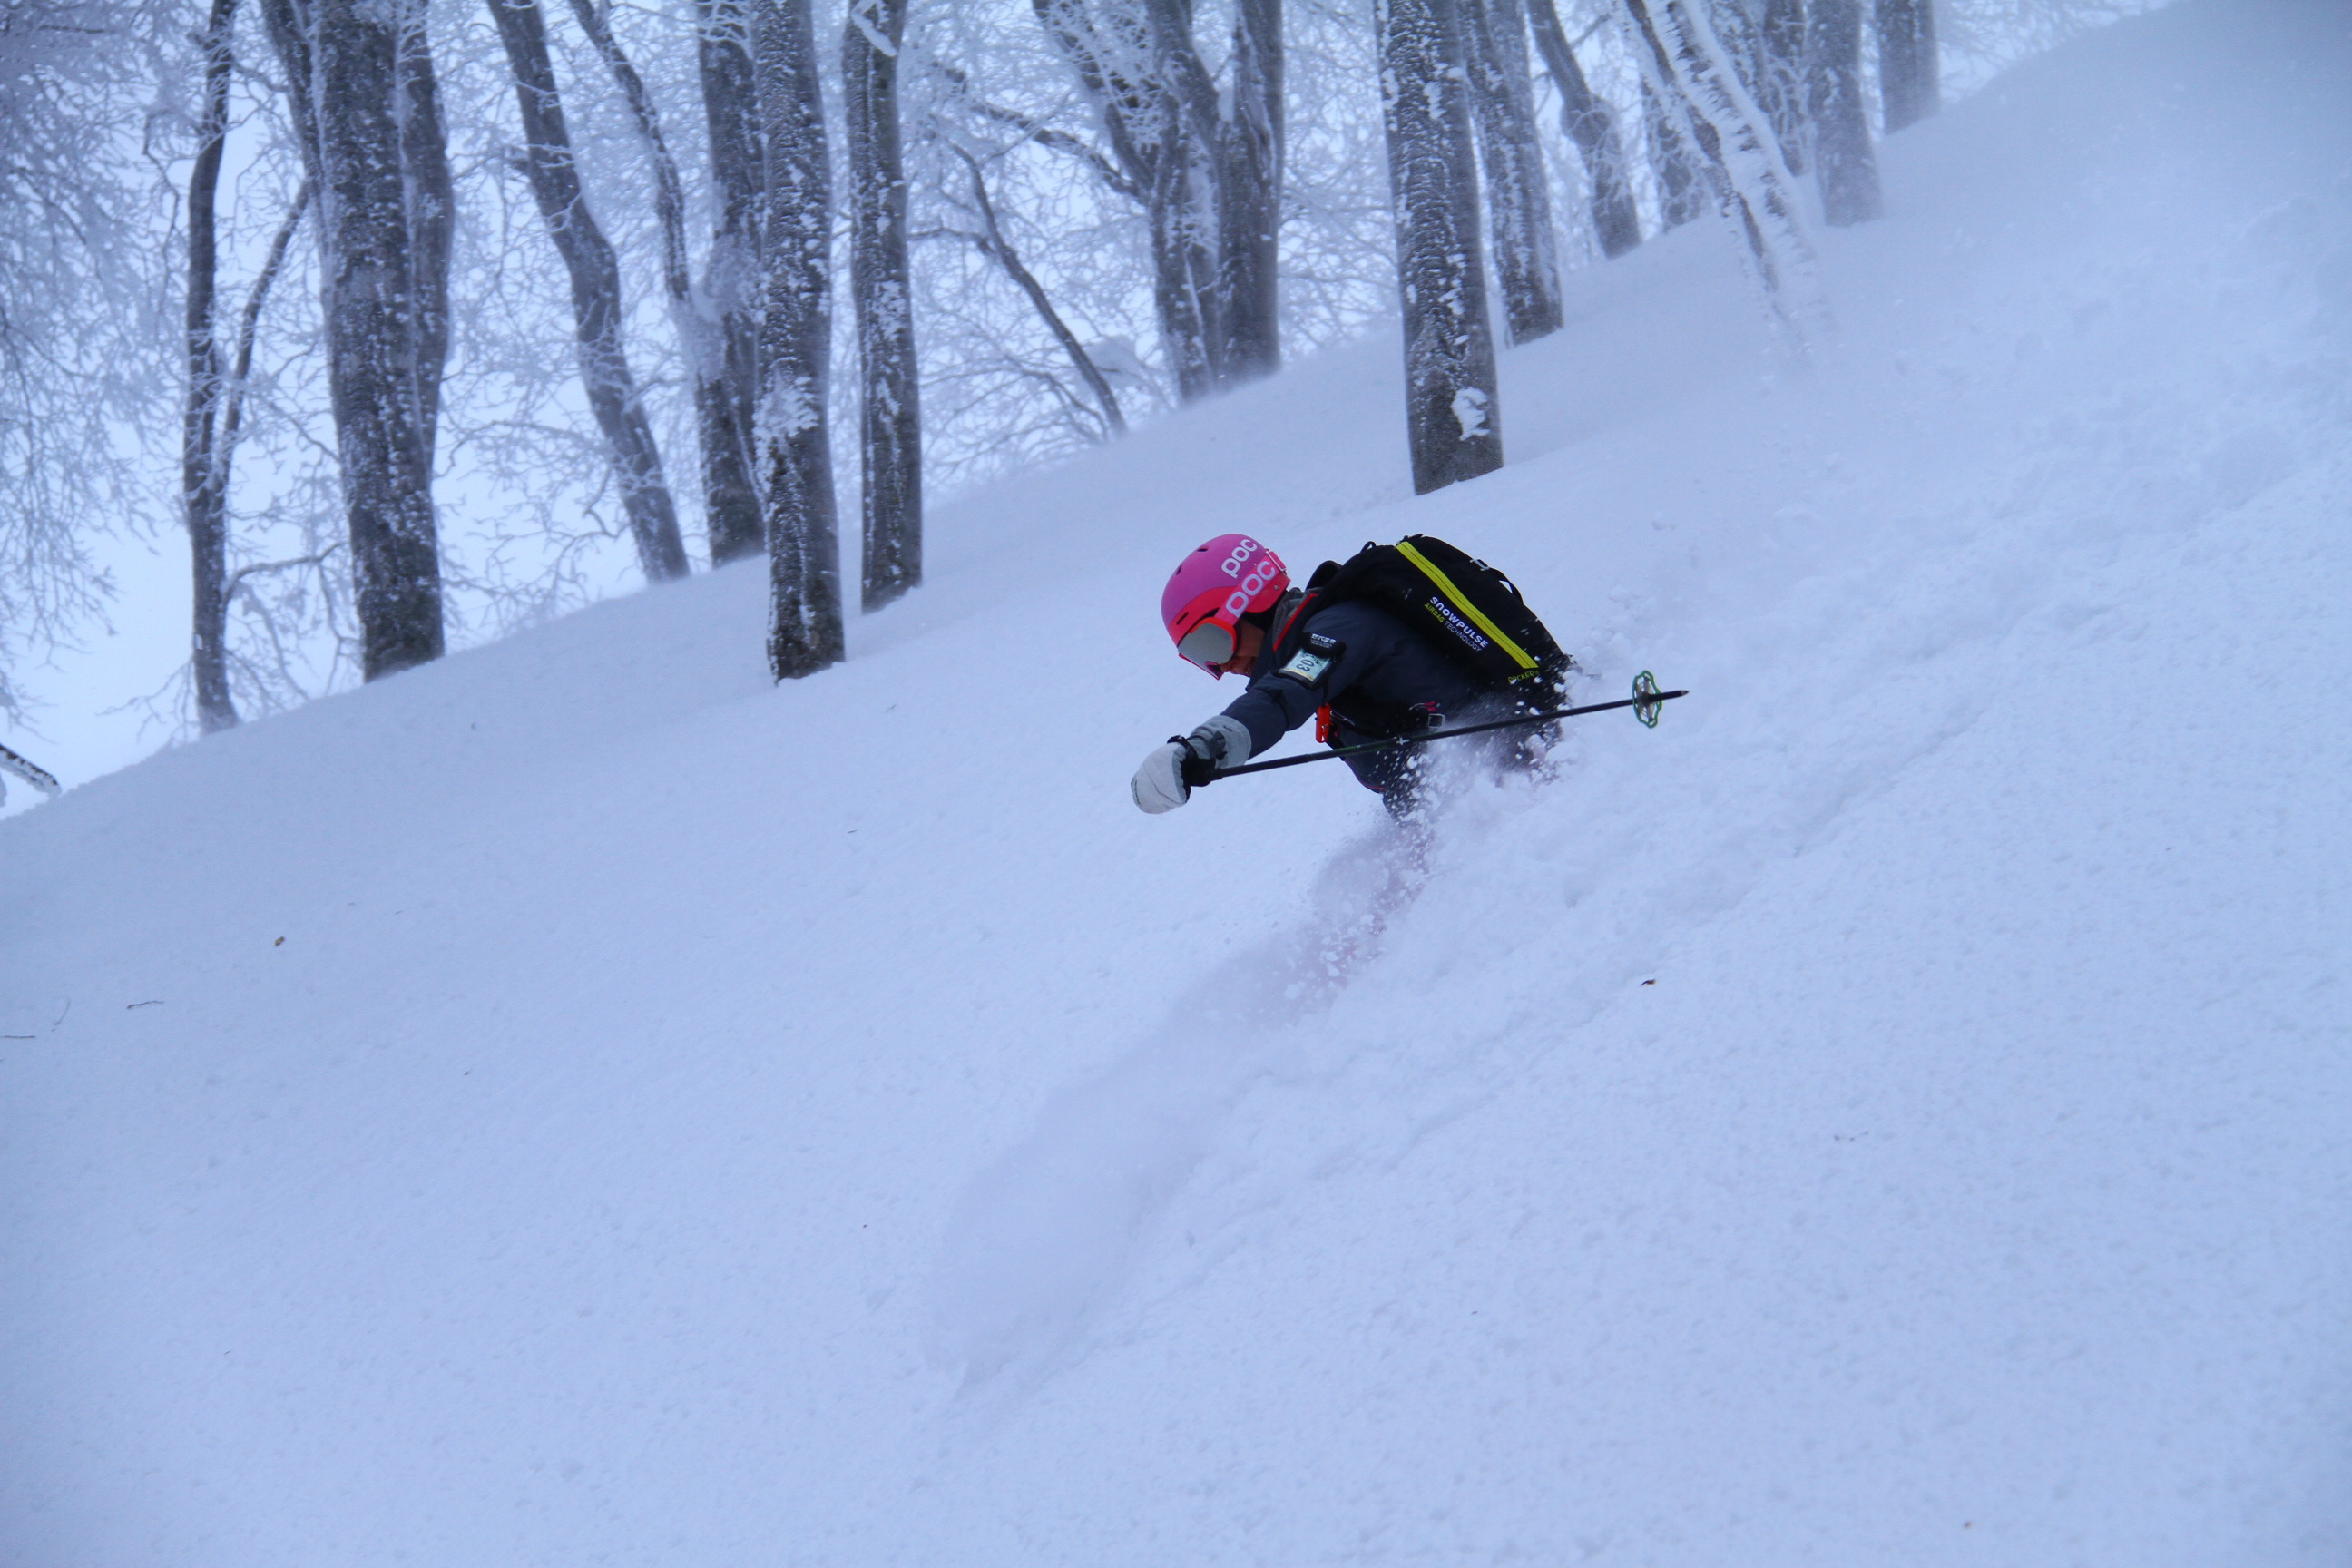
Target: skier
x,y
1337,651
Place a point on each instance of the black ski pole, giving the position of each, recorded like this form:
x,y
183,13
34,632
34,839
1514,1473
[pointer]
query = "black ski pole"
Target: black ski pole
x,y
1644,702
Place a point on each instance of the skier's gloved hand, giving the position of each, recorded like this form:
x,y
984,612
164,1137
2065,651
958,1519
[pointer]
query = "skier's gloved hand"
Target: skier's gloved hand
x,y
1170,773
1159,783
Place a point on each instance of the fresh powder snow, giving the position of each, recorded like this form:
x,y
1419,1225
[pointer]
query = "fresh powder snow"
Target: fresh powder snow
x,y
579,1103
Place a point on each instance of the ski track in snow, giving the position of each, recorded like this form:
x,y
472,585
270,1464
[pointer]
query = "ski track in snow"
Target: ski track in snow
x,y
1042,1240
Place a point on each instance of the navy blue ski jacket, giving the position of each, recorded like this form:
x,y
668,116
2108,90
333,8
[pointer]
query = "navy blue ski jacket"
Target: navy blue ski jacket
x,y
1379,676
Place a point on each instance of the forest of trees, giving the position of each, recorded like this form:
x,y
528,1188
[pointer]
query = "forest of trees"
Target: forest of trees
x,y
453,304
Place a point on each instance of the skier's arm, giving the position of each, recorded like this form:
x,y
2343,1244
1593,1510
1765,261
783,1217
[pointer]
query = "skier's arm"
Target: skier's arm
x,y
1282,699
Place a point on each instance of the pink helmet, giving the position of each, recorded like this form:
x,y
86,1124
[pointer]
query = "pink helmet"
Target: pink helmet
x,y
1212,589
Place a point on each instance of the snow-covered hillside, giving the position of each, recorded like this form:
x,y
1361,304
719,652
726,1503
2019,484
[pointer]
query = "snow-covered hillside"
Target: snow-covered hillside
x,y
578,1104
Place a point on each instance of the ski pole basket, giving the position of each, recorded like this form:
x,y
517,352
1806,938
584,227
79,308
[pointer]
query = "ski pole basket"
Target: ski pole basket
x,y
1647,698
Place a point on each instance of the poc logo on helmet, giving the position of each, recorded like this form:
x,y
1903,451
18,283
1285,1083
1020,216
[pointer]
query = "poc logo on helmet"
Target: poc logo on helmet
x,y
1264,572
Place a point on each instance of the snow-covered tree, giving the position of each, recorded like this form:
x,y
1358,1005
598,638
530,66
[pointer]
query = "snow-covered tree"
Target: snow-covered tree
x,y
730,284
1672,162
730,499
203,465
1206,163
891,430
1453,410
1842,157
1526,246
1780,77
360,81
1910,83
596,307
89,356
971,145
1586,120
804,621
1687,69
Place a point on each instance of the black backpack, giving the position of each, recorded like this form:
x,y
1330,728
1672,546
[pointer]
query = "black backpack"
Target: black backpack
x,y
1468,608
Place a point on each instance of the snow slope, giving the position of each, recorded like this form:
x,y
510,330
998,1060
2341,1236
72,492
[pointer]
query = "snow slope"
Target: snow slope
x,y
1895,1112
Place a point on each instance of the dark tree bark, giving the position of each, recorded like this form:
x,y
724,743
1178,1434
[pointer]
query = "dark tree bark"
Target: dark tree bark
x,y
203,476
596,310
1679,197
1250,145
730,502
731,282
1209,167
1841,130
361,90
804,621
1518,196
1586,118
1910,76
1452,410
1780,85
432,208
890,432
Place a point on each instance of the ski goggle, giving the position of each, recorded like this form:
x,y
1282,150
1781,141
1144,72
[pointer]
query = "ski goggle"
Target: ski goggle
x,y
1211,638
1208,645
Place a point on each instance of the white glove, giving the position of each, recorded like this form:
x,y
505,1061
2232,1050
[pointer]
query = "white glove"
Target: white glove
x,y
1165,780
1160,783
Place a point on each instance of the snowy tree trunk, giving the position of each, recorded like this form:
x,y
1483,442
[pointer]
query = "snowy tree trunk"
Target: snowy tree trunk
x,y
890,429
1249,206
1518,196
1184,270
804,620
1187,227
1781,72
1586,118
432,207
289,24
1684,69
1842,157
731,282
1910,76
1451,411
1679,199
1734,28
204,475
728,491
596,309
361,93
